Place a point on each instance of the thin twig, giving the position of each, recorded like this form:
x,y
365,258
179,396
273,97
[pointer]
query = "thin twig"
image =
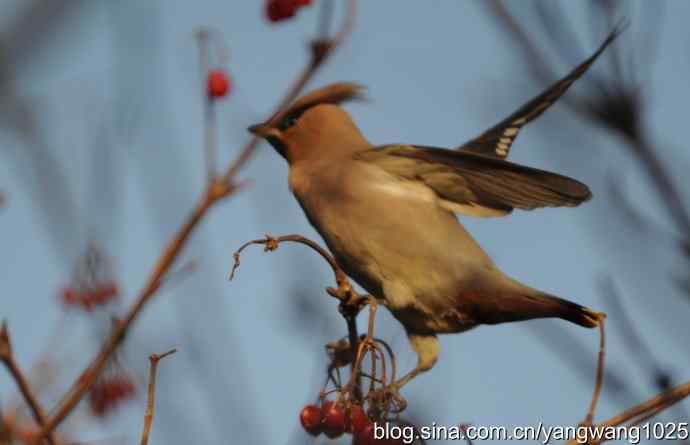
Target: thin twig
x,y
5,432
321,49
7,358
600,374
148,417
218,189
350,302
665,184
352,334
271,243
654,405
209,111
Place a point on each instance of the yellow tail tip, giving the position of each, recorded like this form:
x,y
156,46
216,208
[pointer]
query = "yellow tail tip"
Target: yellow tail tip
x,y
593,318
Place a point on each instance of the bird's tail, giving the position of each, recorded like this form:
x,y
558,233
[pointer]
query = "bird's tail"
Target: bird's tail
x,y
573,312
513,301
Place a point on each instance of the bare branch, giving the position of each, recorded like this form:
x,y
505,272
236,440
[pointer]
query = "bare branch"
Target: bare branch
x,y
643,411
600,374
351,303
219,188
8,359
321,48
148,417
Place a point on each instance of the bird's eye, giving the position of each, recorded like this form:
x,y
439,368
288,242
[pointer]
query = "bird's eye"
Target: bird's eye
x,y
290,120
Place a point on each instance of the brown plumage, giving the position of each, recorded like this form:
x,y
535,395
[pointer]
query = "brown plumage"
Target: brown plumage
x,y
388,214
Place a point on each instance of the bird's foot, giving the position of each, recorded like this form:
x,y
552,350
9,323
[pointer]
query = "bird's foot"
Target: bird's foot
x,y
390,397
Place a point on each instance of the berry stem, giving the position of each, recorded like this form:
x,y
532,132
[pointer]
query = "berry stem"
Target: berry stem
x,y
209,109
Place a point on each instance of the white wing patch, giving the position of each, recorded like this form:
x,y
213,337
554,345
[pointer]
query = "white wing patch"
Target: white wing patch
x,y
418,191
509,134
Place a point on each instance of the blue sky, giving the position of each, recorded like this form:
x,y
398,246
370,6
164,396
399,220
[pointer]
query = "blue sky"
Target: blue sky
x,y
115,90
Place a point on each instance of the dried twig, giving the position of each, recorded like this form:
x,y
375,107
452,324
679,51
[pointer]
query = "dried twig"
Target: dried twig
x,y
637,347
271,243
600,374
618,104
148,417
5,432
351,302
321,48
209,110
218,189
8,359
643,411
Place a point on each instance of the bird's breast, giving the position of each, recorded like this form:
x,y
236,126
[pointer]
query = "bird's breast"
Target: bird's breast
x,y
385,229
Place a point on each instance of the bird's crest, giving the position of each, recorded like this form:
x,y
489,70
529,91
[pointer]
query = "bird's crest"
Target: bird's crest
x,y
335,93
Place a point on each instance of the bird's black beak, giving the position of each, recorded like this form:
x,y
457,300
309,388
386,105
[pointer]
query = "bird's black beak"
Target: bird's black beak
x,y
273,135
265,131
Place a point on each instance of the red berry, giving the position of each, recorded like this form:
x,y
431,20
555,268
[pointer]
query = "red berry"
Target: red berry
x,y
69,295
333,419
106,291
278,10
358,419
310,418
218,84
87,300
365,436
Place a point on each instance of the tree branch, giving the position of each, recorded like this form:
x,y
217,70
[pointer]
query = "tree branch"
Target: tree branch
x,y
589,418
148,417
8,359
351,303
642,411
221,187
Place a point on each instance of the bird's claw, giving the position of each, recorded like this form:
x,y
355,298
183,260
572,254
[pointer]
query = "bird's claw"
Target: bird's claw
x,y
392,393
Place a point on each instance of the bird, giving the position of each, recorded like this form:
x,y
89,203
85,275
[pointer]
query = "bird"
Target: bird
x,y
389,213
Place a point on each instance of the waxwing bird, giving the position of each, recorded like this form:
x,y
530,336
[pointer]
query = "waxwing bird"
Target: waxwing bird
x,y
387,213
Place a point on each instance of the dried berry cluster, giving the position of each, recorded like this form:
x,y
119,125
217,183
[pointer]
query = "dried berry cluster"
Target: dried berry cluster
x,y
279,10
90,297
92,283
109,392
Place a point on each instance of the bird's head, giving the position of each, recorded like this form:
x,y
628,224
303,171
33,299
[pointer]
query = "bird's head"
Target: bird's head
x,y
315,126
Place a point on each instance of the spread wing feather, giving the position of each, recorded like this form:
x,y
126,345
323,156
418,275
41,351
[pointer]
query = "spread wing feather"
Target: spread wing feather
x,y
477,185
496,141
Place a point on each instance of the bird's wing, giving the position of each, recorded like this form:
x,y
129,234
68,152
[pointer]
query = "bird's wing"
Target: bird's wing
x,y
477,185
496,141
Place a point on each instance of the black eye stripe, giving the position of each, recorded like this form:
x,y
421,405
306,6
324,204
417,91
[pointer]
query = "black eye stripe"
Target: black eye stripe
x,y
290,120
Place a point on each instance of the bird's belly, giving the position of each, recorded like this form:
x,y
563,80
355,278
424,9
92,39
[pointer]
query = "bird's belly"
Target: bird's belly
x,y
386,232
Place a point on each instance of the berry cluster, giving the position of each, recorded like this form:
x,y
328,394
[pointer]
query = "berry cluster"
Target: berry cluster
x,y
92,284
335,419
279,10
109,392
90,297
